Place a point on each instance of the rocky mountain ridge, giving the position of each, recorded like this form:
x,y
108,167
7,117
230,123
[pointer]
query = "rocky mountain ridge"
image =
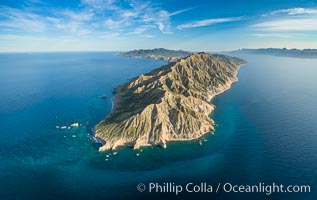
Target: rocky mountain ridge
x,y
171,103
157,53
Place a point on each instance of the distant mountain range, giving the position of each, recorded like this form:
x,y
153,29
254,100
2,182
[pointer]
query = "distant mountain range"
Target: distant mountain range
x,y
305,53
158,53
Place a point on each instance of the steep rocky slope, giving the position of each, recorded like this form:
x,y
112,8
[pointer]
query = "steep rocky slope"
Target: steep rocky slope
x,y
170,103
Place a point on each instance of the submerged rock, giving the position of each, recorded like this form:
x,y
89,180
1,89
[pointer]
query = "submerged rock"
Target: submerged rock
x,y
74,125
103,97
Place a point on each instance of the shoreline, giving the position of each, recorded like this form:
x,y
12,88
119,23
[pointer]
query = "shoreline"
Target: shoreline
x,y
136,144
132,145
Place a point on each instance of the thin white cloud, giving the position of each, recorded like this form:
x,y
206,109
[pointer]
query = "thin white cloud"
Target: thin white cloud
x,y
116,24
303,24
289,21
128,13
295,11
101,5
280,35
85,15
136,14
180,11
147,36
21,20
208,22
91,16
141,29
19,37
162,28
272,35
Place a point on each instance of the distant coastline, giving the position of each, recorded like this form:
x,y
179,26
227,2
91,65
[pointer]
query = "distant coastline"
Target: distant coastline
x,y
296,53
157,53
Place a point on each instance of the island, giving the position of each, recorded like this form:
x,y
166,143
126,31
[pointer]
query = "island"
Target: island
x,y
157,53
171,103
296,53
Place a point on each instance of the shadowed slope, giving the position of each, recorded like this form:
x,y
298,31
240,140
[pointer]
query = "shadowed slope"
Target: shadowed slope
x,y
170,103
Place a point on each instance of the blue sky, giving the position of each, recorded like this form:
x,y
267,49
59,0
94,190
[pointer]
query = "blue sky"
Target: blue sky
x,y
214,25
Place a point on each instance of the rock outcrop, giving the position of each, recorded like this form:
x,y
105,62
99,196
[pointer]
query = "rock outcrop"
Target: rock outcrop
x,y
171,103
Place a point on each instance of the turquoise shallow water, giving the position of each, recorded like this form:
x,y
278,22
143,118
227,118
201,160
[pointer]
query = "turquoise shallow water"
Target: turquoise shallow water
x,y
266,133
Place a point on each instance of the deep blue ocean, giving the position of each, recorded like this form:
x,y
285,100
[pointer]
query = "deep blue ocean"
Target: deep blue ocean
x,y
267,130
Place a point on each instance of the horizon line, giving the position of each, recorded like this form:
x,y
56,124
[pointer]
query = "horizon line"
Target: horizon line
x,y
83,51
